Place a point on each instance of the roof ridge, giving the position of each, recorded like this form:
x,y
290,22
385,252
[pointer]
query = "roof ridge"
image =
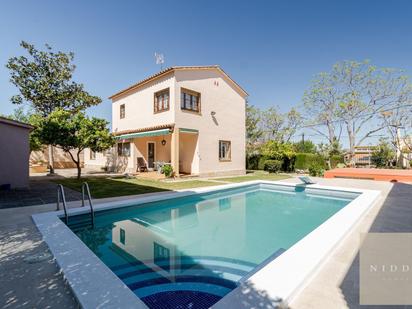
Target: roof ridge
x,y
171,69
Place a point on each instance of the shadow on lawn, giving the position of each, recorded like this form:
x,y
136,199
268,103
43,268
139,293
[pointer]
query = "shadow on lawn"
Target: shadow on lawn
x,y
395,216
112,187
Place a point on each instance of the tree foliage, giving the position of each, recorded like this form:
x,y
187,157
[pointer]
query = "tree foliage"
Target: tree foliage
x,y
280,127
384,155
21,115
44,79
277,150
253,131
354,95
75,132
306,146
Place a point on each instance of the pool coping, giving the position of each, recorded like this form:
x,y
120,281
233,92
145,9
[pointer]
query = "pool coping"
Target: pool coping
x,y
96,286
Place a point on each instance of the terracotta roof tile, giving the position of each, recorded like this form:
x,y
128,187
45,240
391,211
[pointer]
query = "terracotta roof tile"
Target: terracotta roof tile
x,y
172,69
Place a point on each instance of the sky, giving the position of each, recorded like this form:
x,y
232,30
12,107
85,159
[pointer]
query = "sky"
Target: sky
x,y
273,49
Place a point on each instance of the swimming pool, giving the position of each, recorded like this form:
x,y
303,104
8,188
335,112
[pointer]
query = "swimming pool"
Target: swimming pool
x,y
190,251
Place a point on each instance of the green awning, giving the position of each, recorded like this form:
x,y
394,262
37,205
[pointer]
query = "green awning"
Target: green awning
x,y
184,130
144,134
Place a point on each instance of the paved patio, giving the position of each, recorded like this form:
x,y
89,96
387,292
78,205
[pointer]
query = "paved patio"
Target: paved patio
x,y
28,282
40,192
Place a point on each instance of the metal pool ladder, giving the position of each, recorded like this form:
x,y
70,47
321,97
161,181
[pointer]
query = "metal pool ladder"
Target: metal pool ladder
x,y
85,187
60,194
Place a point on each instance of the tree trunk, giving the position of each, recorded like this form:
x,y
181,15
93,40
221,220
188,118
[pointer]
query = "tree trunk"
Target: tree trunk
x,y
77,162
51,160
331,132
351,136
79,169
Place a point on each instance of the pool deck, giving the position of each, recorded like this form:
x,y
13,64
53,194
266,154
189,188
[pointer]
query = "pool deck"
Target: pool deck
x,y
381,174
38,285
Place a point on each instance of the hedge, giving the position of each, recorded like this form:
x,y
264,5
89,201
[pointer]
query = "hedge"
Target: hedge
x,y
305,160
273,166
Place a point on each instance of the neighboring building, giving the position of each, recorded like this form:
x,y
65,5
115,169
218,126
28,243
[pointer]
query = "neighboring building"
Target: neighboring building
x,y
362,156
14,154
191,117
39,160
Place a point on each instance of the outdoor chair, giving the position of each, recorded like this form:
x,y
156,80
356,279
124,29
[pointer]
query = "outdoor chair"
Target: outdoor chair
x,y
141,165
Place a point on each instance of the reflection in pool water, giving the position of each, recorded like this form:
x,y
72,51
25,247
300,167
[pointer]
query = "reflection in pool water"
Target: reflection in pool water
x,y
191,251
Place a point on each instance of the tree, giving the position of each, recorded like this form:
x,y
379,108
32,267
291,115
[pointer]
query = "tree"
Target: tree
x,y
329,150
45,81
75,132
384,155
321,107
357,93
280,127
253,131
305,147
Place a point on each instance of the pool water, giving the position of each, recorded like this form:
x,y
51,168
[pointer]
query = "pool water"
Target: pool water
x,y
189,252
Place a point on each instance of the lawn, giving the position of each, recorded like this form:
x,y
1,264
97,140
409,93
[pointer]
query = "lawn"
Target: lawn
x,y
110,187
255,175
102,187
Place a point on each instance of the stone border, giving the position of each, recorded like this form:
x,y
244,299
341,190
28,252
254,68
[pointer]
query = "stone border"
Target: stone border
x,y
96,286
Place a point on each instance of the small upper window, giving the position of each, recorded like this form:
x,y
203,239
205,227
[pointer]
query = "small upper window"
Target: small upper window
x,y
123,149
190,100
122,111
161,101
224,151
92,155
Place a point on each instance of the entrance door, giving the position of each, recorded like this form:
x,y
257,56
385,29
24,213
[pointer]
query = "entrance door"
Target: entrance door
x,y
150,154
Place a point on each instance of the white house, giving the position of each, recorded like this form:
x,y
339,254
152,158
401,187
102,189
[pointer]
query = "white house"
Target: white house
x,y
192,117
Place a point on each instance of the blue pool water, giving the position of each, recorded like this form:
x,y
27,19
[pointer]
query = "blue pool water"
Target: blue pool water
x,y
189,252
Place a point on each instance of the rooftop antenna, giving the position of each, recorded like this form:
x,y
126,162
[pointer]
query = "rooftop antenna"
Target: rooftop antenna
x,y
160,59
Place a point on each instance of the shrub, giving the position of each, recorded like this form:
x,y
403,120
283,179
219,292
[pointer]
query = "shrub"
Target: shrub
x,y
335,160
340,165
273,166
252,161
305,160
167,170
316,170
261,163
383,155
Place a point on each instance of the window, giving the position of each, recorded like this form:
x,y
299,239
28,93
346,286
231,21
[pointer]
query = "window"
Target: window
x,y
190,100
161,101
123,236
122,111
161,255
224,150
92,155
123,149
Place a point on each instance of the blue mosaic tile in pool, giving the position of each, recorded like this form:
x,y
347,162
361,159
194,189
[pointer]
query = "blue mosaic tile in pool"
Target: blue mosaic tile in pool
x,y
190,252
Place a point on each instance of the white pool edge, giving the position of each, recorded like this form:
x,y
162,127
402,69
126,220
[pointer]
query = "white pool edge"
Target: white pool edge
x,y
297,265
96,286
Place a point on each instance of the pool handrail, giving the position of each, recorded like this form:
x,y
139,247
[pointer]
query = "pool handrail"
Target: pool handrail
x,y
60,194
86,185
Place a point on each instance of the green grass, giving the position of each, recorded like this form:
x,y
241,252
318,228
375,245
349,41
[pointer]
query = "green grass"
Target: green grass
x,y
102,187
255,175
110,187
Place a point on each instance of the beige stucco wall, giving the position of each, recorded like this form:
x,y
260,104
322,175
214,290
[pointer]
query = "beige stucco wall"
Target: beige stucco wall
x,y
199,153
139,107
228,124
61,158
14,155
